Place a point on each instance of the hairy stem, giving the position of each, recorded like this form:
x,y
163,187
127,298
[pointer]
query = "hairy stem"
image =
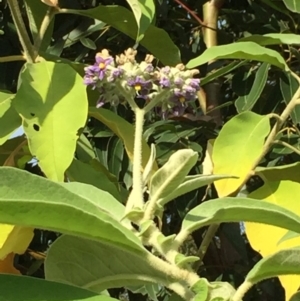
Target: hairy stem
x,y
44,26
241,291
136,198
29,51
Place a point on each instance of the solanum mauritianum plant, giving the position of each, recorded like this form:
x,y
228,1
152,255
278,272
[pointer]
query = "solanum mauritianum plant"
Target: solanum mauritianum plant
x,y
106,243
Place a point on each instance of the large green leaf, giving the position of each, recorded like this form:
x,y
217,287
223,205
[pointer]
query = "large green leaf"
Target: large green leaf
x,y
241,50
241,142
247,102
95,266
231,209
283,262
143,12
293,5
172,174
191,183
85,173
279,173
156,40
273,39
9,148
30,200
124,130
53,104
16,288
9,118
289,86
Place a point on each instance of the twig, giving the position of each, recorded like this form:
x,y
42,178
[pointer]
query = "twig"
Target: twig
x,y
27,46
192,13
294,149
12,58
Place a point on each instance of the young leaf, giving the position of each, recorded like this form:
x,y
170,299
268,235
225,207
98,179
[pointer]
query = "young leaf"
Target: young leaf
x,y
143,12
244,132
9,118
48,120
156,40
241,50
34,289
54,207
124,130
247,102
283,262
96,266
292,5
172,174
264,238
225,210
191,183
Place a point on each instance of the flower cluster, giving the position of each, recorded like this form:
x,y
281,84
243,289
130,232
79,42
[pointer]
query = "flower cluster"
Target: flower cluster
x,y
122,77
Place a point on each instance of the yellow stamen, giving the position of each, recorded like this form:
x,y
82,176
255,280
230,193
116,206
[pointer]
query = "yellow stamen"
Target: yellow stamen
x,y
138,87
182,99
102,66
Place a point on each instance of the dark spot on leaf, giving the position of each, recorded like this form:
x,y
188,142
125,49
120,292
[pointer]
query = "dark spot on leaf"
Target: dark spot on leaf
x,y
32,114
36,127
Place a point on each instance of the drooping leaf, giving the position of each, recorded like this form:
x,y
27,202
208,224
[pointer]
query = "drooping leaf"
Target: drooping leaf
x,y
124,130
283,262
292,5
289,86
172,174
85,173
241,50
234,145
96,266
264,238
48,120
14,239
247,102
279,173
239,209
9,118
54,207
273,39
34,289
156,40
191,183
143,12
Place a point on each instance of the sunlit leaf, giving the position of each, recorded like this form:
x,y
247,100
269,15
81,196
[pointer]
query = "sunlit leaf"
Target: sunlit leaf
x,y
292,5
273,39
53,110
240,148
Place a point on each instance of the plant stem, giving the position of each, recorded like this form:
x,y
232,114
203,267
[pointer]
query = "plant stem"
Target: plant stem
x,y
241,291
283,143
136,198
27,46
44,26
12,58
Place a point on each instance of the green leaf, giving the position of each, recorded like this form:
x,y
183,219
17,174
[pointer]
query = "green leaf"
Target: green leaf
x,y
95,266
279,173
156,40
172,174
234,145
36,10
53,110
34,289
124,130
231,209
54,207
288,87
84,150
191,183
241,50
88,43
85,173
247,102
292,5
9,148
144,12
295,297
284,262
9,118
201,290
273,39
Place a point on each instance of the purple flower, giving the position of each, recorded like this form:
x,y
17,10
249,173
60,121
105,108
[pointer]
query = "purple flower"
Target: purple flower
x,y
140,84
178,81
165,70
100,65
194,82
164,82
